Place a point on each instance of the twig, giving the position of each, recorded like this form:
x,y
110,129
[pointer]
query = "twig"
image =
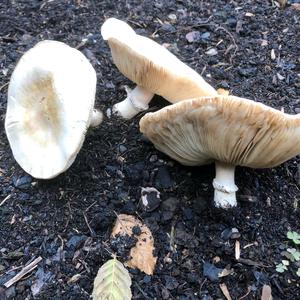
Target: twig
x,y
3,86
88,225
202,284
225,291
23,272
237,250
5,199
244,296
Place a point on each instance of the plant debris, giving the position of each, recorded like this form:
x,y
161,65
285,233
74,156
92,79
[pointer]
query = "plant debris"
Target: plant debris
x,y
142,253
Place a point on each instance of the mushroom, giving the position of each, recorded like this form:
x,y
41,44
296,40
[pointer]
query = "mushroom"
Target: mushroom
x,y
50,105
152,67
227,130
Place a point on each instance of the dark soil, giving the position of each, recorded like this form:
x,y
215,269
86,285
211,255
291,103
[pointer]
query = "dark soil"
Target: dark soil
x,y
67,221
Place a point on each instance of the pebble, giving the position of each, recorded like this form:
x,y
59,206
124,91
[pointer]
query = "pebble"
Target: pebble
x,y
168,28
197,36
150,199
212,52
246,72
230,233
122,149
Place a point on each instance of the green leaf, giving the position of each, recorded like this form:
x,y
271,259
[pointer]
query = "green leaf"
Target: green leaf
x,y
288,255
295,254
280,268
298,272
112,282
294,236
285,262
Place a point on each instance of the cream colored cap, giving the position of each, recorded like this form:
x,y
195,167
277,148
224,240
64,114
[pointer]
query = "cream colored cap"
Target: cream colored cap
x,y
151,65
50,106
227,129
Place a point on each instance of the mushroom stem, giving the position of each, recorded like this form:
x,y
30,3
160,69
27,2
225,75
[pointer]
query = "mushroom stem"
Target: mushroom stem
x,y
224,186
96,118
137,100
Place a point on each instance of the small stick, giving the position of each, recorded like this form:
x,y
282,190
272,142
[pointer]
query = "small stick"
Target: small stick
x,y
237,250
93,234
5,199
244,296
27,269
3,86
225,291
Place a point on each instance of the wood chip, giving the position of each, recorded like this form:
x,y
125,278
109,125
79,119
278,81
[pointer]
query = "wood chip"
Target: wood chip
x,y
237,250
27,269
273,55
266,293
142,253
225,291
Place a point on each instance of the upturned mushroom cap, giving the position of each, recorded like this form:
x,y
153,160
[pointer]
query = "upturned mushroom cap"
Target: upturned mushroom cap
x,y
151,65
230,130
50,106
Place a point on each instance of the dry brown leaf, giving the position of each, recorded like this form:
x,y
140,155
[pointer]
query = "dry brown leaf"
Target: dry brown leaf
x,y
142,253
266,293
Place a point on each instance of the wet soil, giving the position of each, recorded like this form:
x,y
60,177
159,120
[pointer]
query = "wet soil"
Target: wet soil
x,y
67,220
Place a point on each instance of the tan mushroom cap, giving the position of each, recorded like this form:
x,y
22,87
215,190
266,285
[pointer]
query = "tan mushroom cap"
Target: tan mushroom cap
x,y
151,65
228,129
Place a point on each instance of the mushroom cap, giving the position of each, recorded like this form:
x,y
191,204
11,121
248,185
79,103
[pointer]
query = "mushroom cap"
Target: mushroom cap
x,y
228,129
51,97
151,65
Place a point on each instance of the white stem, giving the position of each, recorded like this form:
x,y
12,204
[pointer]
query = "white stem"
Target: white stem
x,y
137,100
224,186
97,118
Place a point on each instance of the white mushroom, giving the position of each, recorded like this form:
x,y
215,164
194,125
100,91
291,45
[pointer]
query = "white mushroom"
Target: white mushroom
x,y
227,130
152,67
50,105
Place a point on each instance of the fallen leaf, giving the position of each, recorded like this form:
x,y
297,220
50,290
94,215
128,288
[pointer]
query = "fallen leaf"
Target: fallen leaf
x,y
112,282
142,253
266,293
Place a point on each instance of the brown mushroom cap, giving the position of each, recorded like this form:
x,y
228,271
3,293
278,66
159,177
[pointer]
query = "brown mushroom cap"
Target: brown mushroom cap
x,y
228,129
